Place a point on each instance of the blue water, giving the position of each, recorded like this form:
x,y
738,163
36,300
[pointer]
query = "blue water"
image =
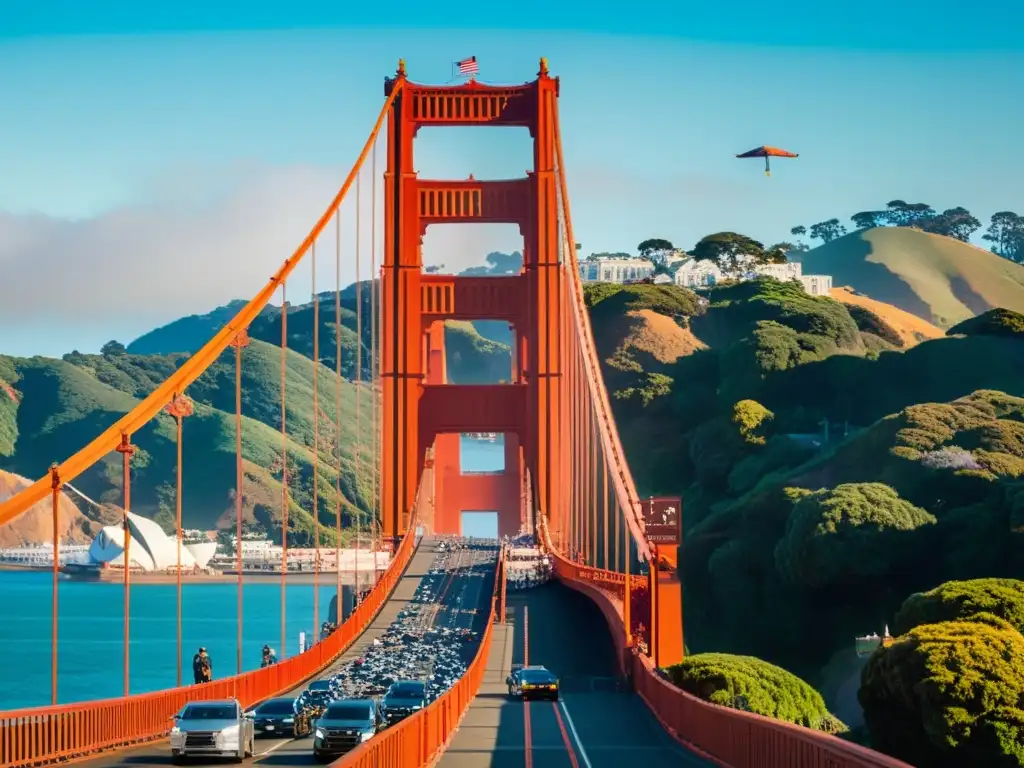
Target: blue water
x,y
90,625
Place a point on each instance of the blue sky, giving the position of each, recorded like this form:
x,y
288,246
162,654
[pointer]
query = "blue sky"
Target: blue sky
x,y
159,162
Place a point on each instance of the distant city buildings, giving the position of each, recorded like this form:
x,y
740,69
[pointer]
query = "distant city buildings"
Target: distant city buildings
x,y
690,273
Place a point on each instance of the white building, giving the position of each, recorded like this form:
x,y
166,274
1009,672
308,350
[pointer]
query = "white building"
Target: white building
x,y
697,274
615,270
149,548
814,285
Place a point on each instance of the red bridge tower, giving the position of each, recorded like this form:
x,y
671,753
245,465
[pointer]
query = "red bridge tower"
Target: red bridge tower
x,y
419,407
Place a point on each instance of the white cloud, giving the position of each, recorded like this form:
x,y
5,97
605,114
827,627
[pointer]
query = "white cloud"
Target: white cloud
x,y
202,237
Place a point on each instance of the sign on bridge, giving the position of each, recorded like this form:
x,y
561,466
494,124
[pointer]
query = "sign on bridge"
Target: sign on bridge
x,y
662,519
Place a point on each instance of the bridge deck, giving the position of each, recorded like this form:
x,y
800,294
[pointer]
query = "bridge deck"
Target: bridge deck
x,y
594,726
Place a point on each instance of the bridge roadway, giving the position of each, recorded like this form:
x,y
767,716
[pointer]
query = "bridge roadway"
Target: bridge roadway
x,y
459,592
595,725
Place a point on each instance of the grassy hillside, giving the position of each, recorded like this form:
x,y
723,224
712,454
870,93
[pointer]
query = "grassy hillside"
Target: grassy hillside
x,y
65,403
939,279
909,328
472,357
727,402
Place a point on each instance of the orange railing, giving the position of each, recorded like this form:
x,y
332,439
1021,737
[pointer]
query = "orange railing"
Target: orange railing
x,y
44,734
420,740
726,736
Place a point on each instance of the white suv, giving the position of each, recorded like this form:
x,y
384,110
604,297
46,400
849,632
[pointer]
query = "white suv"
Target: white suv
x,y
212,728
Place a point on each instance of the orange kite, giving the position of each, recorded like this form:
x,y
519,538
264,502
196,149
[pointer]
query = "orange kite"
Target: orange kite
x,y
766,153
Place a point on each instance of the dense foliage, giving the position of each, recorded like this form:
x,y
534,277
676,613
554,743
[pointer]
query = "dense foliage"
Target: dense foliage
x,y
957,600
995,322
752,685
950,693
824,479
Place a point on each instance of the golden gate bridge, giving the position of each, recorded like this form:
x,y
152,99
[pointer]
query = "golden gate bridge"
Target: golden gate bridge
x,y
566,476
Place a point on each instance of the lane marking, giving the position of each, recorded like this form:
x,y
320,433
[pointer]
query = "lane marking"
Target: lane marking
x,y
527,731
528,735
575,733
565,737
273,748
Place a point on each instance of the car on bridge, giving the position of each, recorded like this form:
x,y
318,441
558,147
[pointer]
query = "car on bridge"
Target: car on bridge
x,y
535,682
344,726
283,716
212,729
318,694
403,699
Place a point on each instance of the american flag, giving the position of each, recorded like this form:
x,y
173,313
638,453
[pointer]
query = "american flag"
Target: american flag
x,y
468,66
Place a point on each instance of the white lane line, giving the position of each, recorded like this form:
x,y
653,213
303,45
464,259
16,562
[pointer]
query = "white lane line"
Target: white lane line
x,y
273,748
575,734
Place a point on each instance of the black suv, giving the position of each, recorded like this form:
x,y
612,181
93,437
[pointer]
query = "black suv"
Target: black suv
x,y
403,699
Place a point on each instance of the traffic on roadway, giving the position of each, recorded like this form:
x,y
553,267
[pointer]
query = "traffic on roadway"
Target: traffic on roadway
x,y
417,647
552,695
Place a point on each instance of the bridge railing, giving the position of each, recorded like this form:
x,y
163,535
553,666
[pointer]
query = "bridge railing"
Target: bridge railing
x,y
419,740
40,735
729,736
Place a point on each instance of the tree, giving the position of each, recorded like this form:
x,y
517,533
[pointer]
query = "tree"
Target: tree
x,y
957,223
900,213
798,231
657,250
787,247
959,600
1006,233
112,349
847,535
948,694
827,231
729,251
869,219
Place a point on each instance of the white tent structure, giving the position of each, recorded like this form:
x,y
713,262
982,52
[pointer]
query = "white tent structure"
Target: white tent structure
x,y
150,549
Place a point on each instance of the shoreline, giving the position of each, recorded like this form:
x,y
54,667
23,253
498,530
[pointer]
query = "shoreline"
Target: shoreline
x,y
325,577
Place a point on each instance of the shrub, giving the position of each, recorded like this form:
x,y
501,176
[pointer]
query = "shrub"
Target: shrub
x,y
995,322
753,685
948,695
846,534
958,600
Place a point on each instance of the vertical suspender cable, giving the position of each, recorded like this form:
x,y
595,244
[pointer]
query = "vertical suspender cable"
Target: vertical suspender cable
x,y
337,412
316,448
374,376
126,449
55,508
240,341
178,532
284,470
357,450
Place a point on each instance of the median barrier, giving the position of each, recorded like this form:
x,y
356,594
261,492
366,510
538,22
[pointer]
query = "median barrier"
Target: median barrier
x,y
421,739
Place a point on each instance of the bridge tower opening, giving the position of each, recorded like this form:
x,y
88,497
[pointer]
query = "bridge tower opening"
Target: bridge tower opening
x,y
420,408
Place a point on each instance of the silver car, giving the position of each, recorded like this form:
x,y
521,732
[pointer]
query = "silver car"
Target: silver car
x,y
212,729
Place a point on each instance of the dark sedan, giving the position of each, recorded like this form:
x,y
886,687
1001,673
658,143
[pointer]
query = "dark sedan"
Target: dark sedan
x,y
280,717
402,699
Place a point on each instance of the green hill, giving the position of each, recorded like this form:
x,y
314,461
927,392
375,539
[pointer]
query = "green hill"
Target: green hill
x,y
478,352
726,402
65,403
937,278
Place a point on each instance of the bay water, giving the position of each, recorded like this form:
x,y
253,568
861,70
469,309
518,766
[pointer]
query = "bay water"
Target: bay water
x,y
90,657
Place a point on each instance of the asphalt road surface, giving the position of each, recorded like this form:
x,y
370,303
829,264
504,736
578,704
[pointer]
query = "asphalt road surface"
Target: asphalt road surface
x,y
595,725
464,598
